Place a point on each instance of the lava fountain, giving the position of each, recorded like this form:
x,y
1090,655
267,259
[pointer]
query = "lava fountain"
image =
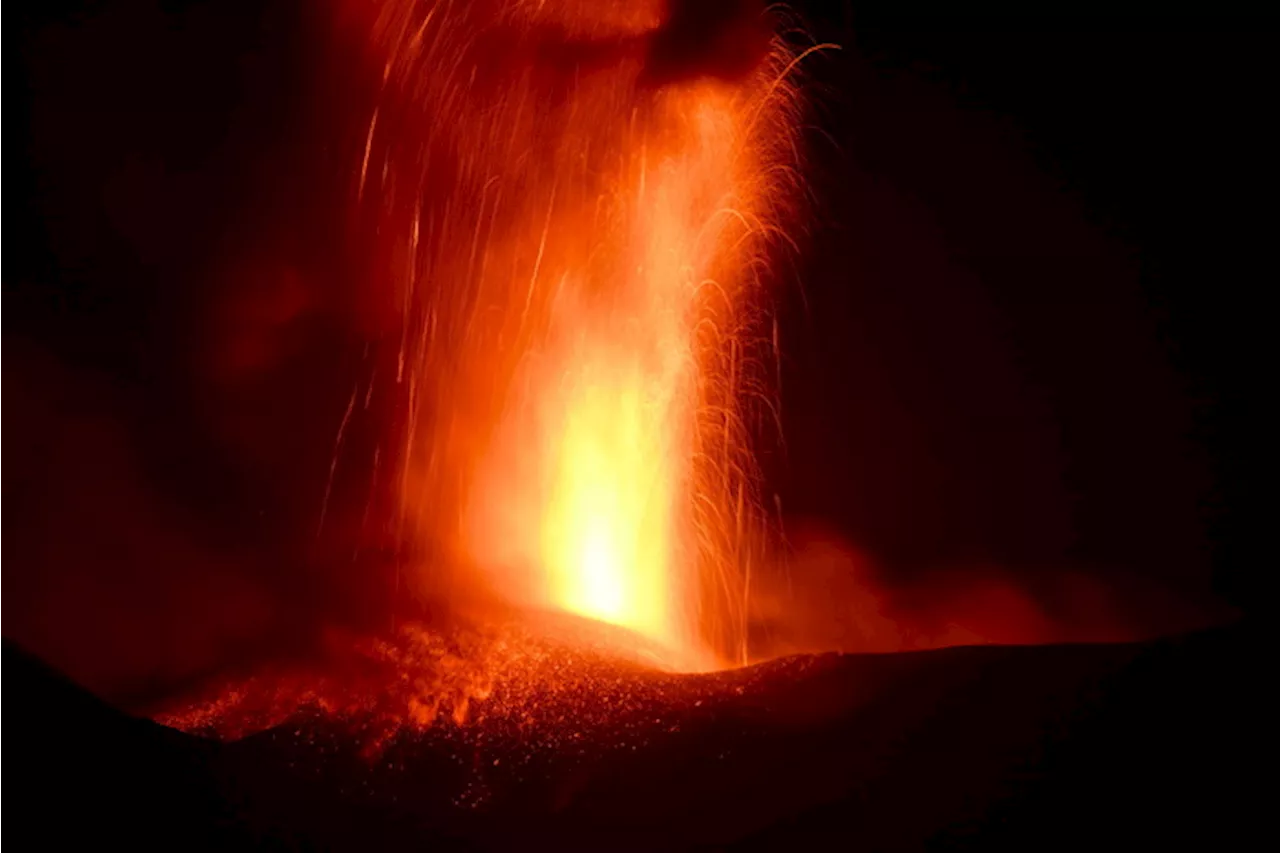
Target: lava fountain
x,y
571,206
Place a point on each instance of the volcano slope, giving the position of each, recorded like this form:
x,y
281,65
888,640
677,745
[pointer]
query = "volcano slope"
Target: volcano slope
x,y
1012,747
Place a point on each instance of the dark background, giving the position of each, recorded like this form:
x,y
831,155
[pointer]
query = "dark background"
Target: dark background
x,y
1025,331
1028,329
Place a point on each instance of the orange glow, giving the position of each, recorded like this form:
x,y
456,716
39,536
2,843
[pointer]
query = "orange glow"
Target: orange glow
x,y
577,254
606,409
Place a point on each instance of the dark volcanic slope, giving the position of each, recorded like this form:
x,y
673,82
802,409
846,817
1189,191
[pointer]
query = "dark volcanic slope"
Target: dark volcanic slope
x,y
1015,747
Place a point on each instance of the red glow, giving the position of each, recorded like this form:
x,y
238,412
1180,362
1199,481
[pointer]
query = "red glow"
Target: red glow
x,y
572,219
570,227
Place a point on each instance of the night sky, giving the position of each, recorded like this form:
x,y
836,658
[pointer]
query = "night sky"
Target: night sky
x,y
1024,330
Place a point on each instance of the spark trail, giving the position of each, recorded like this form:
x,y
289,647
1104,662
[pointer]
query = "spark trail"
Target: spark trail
x,y
571,208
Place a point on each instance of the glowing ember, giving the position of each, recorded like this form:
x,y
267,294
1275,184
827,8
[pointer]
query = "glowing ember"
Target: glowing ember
x,y
543,689
572,202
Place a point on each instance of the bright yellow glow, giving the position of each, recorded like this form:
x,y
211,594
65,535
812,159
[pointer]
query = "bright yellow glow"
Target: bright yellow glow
x,y
616,386
578,300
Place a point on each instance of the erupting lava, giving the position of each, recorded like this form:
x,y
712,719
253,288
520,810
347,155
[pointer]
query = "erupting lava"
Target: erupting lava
x,y
564,210
572,202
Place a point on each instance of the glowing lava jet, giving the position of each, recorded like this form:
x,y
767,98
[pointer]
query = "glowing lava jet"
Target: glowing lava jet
x,y
573,201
